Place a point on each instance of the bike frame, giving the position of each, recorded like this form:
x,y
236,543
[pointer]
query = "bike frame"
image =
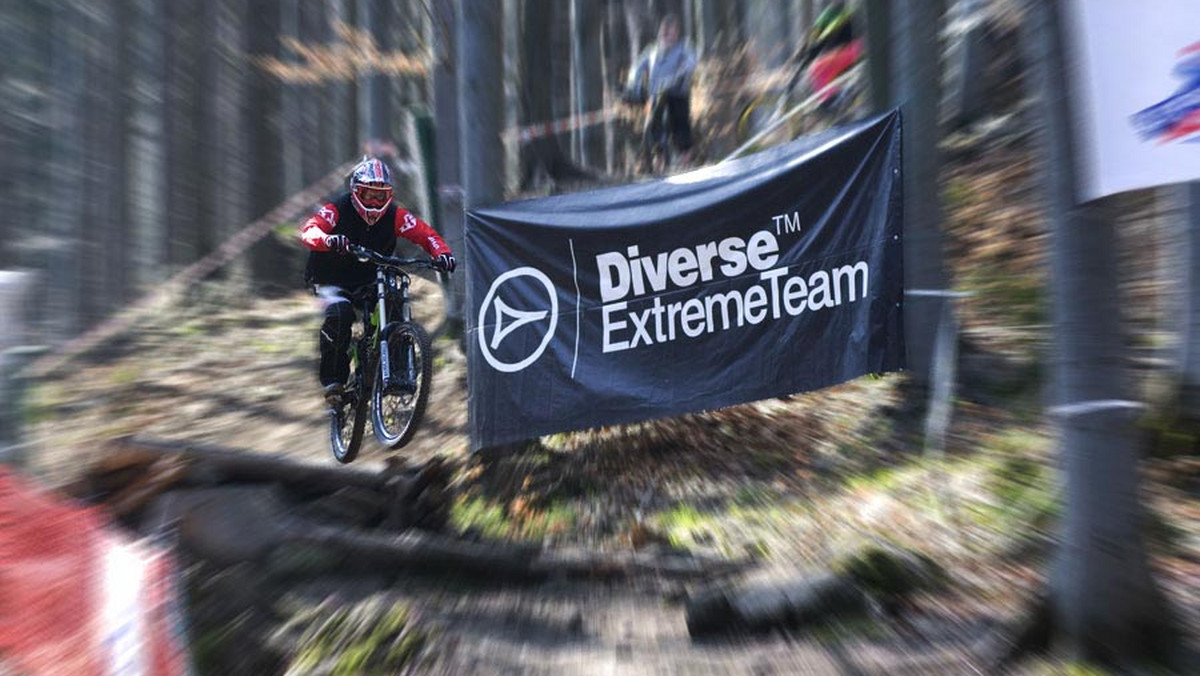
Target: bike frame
x,y
386,288
391,287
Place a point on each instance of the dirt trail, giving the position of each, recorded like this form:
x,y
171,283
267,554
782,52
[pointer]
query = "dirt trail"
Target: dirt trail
x,y
775,480
630,632
241,376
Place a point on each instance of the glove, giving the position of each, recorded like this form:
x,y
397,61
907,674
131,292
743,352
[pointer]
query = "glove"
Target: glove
x,y
446,262
337,243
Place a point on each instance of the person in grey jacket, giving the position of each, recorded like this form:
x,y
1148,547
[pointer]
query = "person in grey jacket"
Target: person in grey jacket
x,y
663,73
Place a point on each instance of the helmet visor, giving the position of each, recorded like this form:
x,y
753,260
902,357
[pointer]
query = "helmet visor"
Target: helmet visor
x,y
373,197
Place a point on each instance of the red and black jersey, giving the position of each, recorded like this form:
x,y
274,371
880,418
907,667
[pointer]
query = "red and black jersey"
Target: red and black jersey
x,y
340,218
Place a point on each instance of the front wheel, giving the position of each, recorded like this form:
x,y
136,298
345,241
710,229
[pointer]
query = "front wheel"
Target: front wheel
x,y
399,402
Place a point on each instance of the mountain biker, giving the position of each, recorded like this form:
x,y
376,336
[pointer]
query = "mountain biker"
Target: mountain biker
x,y
667,68
832,47
367,216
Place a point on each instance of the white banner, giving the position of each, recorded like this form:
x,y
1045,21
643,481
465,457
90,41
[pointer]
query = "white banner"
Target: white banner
x,y
1134,69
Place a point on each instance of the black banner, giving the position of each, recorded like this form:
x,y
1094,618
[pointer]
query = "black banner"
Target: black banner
x,y
773,274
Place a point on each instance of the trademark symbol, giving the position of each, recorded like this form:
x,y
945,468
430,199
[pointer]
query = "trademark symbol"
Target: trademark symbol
x,y
787,223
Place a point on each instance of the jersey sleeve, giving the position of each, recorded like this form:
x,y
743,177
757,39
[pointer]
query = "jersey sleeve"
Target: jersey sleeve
x,y
320,224
419,232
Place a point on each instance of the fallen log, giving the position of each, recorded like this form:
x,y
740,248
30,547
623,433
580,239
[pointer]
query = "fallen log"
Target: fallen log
x,y
224,525
886,575
791,605
211,464
364,550
622,565
154,480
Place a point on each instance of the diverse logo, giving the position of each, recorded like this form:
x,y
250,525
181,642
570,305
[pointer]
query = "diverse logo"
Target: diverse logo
x,y
1176,119
507,316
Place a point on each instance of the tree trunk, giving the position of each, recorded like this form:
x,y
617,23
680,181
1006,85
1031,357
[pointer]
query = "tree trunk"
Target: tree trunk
x,y
121,264
589,80
291,136
879,36
766,21
374,105
1103,604
728,27
315,99
611,49
1189,364
102,241
65,222
231,171
268,257
449,216
481,99
543,156
146,145
966,63
343,118
181,126
917,77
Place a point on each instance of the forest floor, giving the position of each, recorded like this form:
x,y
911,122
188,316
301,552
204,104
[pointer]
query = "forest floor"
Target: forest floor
x,y
794,483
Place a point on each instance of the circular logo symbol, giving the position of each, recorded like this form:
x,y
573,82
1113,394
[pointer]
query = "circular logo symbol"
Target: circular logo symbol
x,y
506,319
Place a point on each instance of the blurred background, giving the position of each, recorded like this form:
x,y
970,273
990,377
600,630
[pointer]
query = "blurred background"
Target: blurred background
x,y
157,158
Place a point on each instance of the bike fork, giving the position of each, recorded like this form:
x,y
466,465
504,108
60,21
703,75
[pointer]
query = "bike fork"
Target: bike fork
x,y
385,355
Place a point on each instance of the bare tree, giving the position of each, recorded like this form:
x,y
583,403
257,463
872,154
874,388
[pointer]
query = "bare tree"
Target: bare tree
x,y
64,223
449,216
102,241
543,156
146,143
878,23
341,131
1102,602
1187,270
229,170
481,100
588,78
180,127
721,27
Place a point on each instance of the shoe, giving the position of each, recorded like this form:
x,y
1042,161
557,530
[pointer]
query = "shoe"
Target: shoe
x,y
334,393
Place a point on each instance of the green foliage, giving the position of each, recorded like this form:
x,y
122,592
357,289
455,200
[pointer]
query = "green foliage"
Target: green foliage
x,y
891,572
376,637
480,515
1023,487
1008,299
683,523
530,521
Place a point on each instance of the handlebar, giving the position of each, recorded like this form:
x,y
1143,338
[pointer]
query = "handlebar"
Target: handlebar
x,y
370,256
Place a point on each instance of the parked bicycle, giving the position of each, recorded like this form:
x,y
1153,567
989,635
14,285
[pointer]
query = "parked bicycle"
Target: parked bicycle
x,y
391,362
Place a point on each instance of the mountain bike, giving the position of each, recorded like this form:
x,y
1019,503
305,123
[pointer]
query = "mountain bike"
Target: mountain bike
x,y
391,362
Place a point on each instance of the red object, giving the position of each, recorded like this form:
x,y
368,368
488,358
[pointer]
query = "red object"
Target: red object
x,y
77,597
406,225
827,67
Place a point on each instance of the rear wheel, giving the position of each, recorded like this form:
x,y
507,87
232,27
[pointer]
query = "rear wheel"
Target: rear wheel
x,y
399,405
348,419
